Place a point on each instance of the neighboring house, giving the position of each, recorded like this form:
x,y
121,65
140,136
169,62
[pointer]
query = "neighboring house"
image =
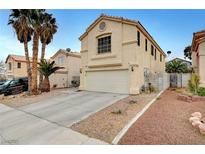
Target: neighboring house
x,y
15,66
2,71
198,55
71,62
180,79
188,63
117,54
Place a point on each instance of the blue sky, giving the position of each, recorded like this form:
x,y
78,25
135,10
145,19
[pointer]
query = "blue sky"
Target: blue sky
x,y
172,29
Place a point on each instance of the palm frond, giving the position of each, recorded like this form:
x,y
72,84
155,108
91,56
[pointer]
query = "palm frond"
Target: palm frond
x,y
47,67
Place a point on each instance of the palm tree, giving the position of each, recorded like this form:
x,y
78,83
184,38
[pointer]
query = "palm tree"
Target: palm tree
x,y
20,21
49,28
37,18
46,68
176,66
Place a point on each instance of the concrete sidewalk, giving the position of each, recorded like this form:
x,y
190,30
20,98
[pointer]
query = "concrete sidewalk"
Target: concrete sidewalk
x,y
19,127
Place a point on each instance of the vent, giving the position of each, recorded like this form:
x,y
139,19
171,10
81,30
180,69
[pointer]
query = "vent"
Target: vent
x,y
102,26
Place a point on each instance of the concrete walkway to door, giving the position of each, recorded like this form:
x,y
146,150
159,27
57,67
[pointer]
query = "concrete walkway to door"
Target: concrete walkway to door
x,y
48,122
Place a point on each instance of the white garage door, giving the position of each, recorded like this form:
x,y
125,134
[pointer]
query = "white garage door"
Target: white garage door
x,y
108,81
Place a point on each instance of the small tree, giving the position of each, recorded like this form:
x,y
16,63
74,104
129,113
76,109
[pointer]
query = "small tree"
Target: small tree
x,y
176,66
187,52
46,68
193,83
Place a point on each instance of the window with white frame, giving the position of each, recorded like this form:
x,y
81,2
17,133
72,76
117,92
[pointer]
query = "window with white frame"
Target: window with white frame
x,y
61,60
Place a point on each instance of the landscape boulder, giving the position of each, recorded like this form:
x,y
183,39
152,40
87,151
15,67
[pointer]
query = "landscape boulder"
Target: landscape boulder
x,y
196,114
192,119
202,129
196,123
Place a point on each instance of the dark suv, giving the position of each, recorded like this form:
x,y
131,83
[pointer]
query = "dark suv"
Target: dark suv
x,y
14,86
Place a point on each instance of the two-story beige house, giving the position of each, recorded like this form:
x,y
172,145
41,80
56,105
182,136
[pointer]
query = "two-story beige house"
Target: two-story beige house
x,y
116,55
15,66
71,62
198,55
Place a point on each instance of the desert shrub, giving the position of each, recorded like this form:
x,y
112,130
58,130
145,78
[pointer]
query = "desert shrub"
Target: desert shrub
x,y
201,91
117,111
152,88
158,98
193,83
178,90
55,85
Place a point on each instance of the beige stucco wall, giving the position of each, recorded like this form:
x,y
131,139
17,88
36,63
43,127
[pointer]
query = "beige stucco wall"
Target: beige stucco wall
x,y
15,72
125,53
201,63
63,77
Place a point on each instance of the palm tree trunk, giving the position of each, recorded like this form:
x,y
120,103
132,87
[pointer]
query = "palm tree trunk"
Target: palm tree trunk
x,y
46,84
35,64
28,64
42,57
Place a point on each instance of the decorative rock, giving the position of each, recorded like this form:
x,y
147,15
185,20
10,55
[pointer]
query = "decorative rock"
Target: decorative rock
x,y
192,119
202,129
202,120
196,123
196,114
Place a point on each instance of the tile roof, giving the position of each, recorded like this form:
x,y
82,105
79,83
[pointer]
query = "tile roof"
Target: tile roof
x,y
67,53
122,20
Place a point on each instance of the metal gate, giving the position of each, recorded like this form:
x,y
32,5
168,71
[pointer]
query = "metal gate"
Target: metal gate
x,y
173,80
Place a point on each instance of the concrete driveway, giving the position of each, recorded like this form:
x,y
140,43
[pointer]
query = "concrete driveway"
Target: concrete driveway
x,y
48,122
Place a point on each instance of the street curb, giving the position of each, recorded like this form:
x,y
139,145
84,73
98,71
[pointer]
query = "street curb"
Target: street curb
x,y
133,120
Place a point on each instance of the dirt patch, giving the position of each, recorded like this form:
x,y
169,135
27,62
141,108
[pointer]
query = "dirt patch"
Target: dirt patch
x,y
166,122
23,99
107,123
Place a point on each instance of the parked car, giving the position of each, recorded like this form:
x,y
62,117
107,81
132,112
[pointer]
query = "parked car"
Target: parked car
x,y
4,86
2,82
14,86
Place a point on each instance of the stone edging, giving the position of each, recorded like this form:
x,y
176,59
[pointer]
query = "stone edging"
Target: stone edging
x,y
133,120
190,99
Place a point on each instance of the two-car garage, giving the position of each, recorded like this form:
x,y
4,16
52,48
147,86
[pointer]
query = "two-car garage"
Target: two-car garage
x,y
115,81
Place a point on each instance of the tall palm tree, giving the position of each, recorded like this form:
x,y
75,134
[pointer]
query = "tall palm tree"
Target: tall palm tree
x,y
20,21
37,17
49,28
47,68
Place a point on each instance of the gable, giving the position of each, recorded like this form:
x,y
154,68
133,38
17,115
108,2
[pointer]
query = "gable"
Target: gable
x,y
122,21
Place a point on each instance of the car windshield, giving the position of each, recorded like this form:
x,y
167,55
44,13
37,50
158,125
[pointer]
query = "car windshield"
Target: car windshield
x,y
6,83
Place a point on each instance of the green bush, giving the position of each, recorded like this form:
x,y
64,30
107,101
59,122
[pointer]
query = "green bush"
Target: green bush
x,y
152,89
201,91
193,83
117,111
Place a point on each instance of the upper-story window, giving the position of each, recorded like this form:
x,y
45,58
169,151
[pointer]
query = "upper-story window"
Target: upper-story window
x,y
18,65
155,54
10,66
104,44
61,60
145,44
138,38
160,57
152,50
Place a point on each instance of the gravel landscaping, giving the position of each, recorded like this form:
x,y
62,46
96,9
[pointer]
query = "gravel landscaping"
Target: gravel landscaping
x,y
107,123
23,99
166,122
